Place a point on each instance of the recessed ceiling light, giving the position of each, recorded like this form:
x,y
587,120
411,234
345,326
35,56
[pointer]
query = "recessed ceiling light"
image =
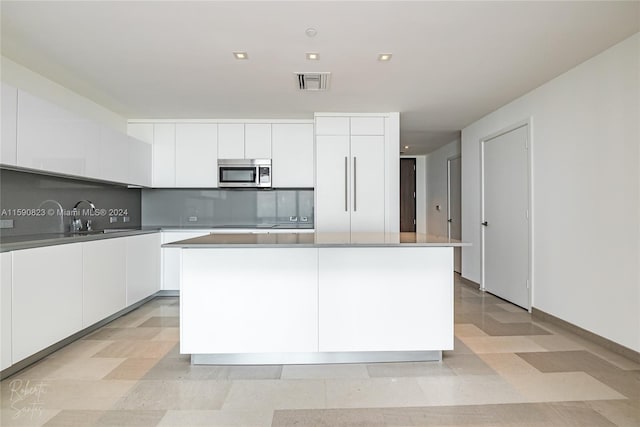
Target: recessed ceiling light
x,y
384,57
311,32
241,55
313,56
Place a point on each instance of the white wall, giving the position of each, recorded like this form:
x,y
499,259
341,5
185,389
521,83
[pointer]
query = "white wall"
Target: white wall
x,y
586,192
437,187
23,78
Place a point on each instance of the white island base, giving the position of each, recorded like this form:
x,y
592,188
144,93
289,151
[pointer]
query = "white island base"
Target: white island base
x,y
242,304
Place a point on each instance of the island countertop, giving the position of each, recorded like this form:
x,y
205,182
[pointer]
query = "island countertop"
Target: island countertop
x,y
315,240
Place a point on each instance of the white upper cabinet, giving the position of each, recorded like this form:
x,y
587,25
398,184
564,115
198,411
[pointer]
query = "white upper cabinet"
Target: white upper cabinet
x,y
231,141
332,125
292,155
196,147
51,138
257,141
139,164
114,149
8,139
141,131
164,155
367,125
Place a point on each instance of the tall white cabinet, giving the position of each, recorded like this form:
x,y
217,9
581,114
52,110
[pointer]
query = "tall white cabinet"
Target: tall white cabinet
x,y
356,182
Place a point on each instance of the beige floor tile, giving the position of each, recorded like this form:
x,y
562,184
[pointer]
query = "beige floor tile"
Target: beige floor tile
x,y
217,418
131,369
468,330
136,349
174,395
411,369
80,349
623,413
93,368
467,364
116,334
468,390
258,395
28,415
71,394
511,317
556,343
510,344
161,322
511,307
131,320
168,334
374,392
562,386
324,371
69,418
368,417
508,364
142,418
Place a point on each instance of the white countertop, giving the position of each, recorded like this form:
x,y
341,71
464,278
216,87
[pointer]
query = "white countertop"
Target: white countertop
x,y
299,240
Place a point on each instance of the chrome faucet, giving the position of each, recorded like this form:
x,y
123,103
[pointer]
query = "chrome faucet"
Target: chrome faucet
x,y
59,212
76,223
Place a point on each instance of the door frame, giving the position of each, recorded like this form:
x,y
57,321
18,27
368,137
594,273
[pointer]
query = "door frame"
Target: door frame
x,y
529,123
449,159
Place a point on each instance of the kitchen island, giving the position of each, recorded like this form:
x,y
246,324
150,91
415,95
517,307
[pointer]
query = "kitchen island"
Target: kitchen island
x,y
300,298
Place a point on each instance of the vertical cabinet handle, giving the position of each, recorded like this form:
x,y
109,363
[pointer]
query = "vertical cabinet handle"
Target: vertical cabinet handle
x,y
346,185
355,188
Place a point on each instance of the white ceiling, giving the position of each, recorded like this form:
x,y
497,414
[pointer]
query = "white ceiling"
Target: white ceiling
x,y
453,62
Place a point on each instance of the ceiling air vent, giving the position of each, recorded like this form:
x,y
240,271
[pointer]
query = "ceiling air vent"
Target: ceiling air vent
x,y
313,81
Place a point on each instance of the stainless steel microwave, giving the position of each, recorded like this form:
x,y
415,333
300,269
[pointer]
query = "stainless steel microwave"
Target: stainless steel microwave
x,y
244,173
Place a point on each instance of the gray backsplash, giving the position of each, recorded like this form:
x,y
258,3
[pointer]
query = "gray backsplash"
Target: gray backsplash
x,y
31,201
175,207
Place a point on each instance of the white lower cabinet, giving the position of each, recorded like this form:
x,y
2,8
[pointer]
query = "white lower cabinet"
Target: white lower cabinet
x,y
143,266
171,258
5,310
364,309
47,297
103,279
249,300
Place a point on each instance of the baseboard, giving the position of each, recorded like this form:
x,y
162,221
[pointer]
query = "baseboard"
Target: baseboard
x,y
469,282
168,293
595,338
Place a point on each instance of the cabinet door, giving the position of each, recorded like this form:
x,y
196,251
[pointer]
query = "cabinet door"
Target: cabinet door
x,y
367,201
139,166
231,141
5,310
257,141
114,154
141,131
103,279
367,125
332,125
292,150
171,258
51,138
196,162
9,113
143,266
47,297
164,155
365,309
333,183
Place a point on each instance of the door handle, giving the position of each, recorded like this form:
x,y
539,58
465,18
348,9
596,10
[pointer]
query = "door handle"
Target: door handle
x,y
355,188
485,223
346,185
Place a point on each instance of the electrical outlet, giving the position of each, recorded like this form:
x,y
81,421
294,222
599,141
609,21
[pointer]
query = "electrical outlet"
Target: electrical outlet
x,y
193,219
304,219
126,219
6,223
293,219
113,219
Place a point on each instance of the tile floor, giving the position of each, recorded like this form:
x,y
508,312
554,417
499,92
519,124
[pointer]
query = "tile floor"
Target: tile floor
x,y
506,370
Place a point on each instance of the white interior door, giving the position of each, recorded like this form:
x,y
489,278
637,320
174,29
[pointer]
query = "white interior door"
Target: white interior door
x,y
454,205
367,197
505,216
333,214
